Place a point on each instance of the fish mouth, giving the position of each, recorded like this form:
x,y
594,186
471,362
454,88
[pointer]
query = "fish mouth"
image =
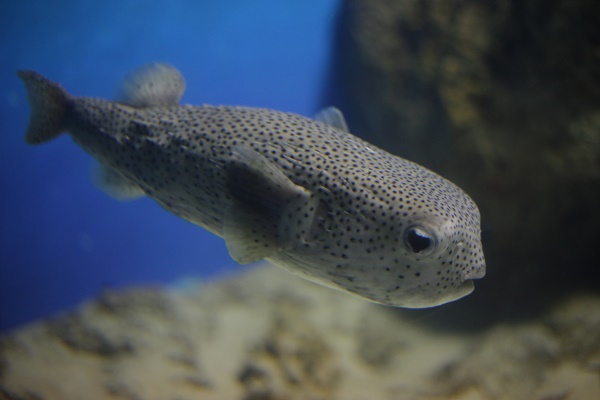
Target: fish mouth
x,y
460,291
464,289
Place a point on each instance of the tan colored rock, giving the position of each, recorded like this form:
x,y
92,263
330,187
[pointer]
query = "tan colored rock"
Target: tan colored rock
x,y
267,335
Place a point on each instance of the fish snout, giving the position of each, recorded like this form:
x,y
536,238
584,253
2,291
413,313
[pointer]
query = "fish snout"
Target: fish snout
x,y
474,272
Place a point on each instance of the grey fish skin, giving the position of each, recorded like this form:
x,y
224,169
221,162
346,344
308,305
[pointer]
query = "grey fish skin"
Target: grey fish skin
x,y
304,194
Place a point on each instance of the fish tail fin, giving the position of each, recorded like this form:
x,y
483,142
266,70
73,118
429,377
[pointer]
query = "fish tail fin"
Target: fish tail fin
x,y
49,103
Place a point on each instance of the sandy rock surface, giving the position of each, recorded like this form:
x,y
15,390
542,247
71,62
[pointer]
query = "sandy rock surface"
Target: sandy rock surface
x,y
266,334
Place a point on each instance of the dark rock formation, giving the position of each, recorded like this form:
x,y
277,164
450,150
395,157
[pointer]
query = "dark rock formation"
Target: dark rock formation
x,y
503,98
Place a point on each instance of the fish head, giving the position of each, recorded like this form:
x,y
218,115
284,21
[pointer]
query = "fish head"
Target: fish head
x,y
442,255
424,251
425,259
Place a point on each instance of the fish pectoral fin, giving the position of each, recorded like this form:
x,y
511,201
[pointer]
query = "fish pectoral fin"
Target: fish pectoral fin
x,y
263,216
113,183
153,85
334,117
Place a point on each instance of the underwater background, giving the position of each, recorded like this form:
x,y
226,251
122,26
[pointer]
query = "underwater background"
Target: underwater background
x,y
100,299
62,240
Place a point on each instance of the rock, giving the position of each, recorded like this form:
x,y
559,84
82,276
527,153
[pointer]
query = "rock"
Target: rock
x,y
541,359
502,97
266,335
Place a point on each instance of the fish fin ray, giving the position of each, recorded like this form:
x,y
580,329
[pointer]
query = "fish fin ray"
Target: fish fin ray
x,y
153,85
113,183
49,103
334,117
254,226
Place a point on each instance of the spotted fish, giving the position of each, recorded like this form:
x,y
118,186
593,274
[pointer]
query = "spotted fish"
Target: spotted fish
x,y
302,193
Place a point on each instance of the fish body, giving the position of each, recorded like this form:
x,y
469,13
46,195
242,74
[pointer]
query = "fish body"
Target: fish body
x,y
302,193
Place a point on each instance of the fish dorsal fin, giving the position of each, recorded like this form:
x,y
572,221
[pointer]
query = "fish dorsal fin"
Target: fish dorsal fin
x,y
263,217
334,117
115,184
153,85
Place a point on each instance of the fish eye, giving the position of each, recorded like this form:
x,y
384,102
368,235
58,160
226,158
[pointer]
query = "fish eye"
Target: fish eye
x,y
420,240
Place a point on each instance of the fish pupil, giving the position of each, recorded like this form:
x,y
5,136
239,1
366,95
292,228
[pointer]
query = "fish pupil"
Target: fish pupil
x,y
418,240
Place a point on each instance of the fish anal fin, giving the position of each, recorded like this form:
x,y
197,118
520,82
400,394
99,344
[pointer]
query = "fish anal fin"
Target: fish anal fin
x,y
115,184
258,223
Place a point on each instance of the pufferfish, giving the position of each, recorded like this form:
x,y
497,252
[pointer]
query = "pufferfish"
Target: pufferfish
x,y
302,193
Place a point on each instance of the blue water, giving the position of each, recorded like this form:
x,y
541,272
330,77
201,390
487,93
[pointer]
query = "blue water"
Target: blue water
x,y
61,239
